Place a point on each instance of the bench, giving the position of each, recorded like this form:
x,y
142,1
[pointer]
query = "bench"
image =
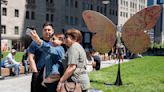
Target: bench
x,y
6,71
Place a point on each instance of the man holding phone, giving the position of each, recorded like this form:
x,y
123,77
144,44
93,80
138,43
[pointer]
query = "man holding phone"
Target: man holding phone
x,y
37,58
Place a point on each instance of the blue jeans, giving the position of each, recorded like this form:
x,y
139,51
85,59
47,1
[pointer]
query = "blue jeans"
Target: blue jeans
x,y
16,68
26,66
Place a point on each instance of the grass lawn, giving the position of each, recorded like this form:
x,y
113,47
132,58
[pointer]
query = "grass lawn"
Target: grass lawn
x,y
138,75
18,56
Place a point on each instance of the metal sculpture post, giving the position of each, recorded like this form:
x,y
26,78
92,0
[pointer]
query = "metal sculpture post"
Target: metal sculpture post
x,y
118,81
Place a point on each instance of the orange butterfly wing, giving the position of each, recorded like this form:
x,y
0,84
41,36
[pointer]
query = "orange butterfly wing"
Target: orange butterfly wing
x,y
105,30
133,35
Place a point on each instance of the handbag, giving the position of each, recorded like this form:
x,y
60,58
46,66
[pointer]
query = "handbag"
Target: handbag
x,y
70,87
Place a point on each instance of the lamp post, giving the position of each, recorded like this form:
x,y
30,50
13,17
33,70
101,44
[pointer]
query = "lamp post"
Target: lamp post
x,y
5,3
105,2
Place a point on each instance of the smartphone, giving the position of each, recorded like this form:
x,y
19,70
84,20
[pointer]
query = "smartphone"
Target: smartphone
x,y
28,31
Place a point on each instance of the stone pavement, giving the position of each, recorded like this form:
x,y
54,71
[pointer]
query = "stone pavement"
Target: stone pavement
x,y
111,62
16,84
22,82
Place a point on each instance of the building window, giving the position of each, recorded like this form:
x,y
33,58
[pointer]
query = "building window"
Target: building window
x,y
127,3
110,11
51,1
91,7
130,4
113,12
116,13
72,3
27,1
66,20
52,17
31,1
3,31
127,15
124,3
83,5
101,10
123,14
47,17
16,13
76,21
27,15
66,3
120,13
135,6
4,12
98,9
71,20
32,15
16,30
76,4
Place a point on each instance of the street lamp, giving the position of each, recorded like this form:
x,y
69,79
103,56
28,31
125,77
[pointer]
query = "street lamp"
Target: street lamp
x,y
5,2
105,2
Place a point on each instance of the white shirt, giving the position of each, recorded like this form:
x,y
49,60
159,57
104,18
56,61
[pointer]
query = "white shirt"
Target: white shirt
x,y
10,59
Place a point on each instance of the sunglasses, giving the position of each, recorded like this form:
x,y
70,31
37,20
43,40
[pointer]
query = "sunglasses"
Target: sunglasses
x,y
54,38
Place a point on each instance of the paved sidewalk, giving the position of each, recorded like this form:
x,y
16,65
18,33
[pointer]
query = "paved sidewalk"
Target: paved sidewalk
x,y
22,83
16,84
111,62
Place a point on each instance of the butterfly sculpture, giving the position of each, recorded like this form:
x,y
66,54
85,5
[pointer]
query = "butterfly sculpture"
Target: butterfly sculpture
x,y
134,31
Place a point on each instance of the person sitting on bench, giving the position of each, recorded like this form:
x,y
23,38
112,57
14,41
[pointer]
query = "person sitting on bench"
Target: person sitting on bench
x,y
9,62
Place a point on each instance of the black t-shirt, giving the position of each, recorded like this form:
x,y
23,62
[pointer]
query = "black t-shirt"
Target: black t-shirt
x,y
98,61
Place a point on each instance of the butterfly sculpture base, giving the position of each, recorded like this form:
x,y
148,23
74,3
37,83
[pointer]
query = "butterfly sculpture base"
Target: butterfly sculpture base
x,y
118,81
